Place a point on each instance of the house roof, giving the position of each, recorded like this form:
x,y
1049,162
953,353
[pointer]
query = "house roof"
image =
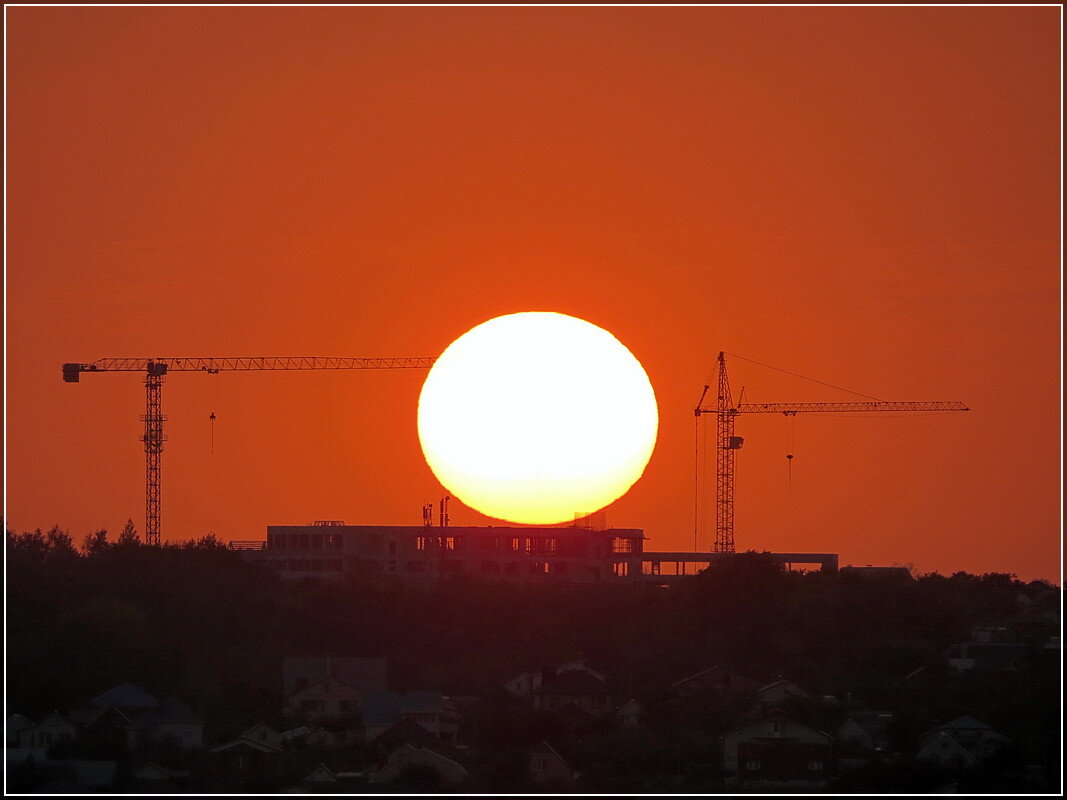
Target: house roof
x,y
321,774
55,719
774,715
259,726
696,675
171,711
125,695
113,716
246,745
16,723
385,707
940,743
580,664
543,748
965,724
362,673
572,681
151,771
380,707
405,732
84,716
285,736
326,683
782,682
407,753
424,700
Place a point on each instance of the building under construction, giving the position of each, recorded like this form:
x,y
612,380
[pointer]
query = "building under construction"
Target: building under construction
x,y
420,554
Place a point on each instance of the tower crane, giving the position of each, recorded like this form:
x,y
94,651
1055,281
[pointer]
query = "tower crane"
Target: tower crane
x,y
727,443
156,369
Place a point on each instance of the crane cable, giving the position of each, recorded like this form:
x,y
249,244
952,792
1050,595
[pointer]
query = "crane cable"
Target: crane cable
x,y
805,377
213,396
789,420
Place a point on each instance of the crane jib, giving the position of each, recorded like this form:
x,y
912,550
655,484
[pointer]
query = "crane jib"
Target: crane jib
x,y
727,409
161,366
155,369
832,408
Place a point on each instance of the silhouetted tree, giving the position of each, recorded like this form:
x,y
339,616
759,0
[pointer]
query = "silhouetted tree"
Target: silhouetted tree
x,y
95,542
210,542
129,536
60,542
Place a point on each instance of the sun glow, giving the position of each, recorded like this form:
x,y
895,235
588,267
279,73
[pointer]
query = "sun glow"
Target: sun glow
x,y
536,417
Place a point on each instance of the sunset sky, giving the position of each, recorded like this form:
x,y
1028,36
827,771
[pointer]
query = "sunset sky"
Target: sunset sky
x,y
868,196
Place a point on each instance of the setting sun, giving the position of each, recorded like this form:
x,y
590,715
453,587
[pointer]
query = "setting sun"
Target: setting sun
x,y
537,417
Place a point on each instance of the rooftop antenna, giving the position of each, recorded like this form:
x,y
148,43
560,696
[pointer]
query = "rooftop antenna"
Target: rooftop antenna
x,y
444,510
427,515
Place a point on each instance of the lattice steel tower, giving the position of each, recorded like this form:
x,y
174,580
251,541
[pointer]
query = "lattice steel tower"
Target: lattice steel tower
x,y
153,447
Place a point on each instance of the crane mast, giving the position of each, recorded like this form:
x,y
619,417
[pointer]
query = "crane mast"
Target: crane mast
x,y
727,444
726,447
156,369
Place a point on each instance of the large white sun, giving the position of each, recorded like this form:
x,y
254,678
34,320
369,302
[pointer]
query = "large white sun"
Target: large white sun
x,y
536,417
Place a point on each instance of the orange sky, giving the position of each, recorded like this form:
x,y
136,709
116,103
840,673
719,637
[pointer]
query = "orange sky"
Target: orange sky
x,y
869,196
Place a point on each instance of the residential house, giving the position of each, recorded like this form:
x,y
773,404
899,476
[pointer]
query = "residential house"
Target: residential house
x,y
379,713
449,772
941,749
324,779
364,674
264,733
406,731
854,737
574,689
330,698
545,766
775,692
526,684
128,711
173,722
433,711
15,724
720,681
873,724
430,709
774,751
243,757
151,778
108,731
987,656
52,729
125,696
976,736
962,742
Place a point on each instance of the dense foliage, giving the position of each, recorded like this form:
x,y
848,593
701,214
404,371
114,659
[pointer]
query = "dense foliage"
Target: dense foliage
x,y
196,622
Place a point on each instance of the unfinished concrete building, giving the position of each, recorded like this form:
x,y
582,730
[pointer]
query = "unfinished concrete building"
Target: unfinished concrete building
x,y
421,553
